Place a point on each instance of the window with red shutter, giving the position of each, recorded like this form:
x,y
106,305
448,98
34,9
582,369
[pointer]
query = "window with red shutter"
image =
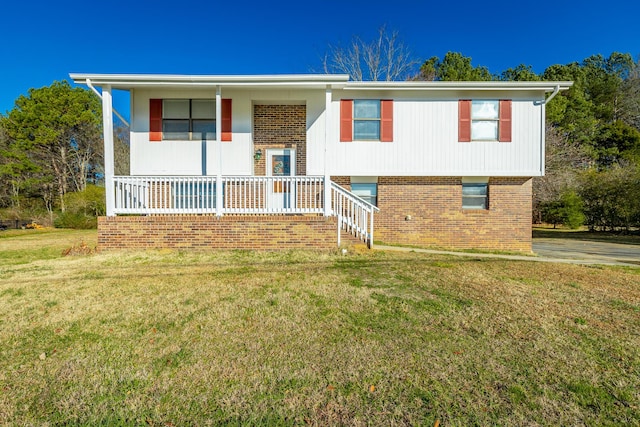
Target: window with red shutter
x,y
484,120
366,120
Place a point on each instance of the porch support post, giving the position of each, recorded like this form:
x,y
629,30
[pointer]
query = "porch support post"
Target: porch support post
x,y
219,186
327,136
107,125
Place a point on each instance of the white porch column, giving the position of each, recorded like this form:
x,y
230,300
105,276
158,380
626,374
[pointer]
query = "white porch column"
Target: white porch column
x,y
107,124
327,135
219,145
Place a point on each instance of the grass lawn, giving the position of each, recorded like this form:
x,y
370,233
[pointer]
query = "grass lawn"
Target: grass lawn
x,y
173,338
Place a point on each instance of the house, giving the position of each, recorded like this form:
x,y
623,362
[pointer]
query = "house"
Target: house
x,y
292,161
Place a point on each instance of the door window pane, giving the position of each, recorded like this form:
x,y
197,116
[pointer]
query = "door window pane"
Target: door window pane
x,y
281,165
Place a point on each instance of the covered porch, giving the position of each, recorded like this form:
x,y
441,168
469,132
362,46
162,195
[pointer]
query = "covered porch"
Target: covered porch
x,y
244,195
220,176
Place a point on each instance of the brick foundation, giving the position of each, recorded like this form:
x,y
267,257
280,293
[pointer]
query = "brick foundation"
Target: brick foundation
x,y
427,211
422,211
210,232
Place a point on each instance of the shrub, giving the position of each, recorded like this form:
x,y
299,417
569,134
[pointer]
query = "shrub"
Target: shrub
x,y
566,211
82,208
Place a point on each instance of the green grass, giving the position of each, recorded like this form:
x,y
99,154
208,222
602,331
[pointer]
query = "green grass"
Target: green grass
x,y
241,337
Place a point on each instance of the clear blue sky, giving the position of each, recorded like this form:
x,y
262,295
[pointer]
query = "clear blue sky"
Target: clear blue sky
x,y
45,40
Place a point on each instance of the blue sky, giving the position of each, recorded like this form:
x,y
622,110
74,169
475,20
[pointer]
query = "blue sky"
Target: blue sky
x,y
45,40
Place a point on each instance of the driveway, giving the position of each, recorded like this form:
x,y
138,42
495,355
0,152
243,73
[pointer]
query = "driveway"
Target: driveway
x,y
597,252
569,251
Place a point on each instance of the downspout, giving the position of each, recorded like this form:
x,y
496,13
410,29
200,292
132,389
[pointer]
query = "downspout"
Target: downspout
x,y
554,93
556,90
88,82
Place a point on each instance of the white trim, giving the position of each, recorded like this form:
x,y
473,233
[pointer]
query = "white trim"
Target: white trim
x,y
475,179
364,179
107,125
337,81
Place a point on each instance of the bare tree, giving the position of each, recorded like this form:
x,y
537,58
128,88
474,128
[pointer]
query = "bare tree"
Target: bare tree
x,y
384,59
564,162
630,100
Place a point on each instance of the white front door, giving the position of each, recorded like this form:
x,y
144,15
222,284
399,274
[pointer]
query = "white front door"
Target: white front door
x,y
281,162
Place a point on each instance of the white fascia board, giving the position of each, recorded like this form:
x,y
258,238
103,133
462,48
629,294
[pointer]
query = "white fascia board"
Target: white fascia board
x,y
547,86
460,173
127,81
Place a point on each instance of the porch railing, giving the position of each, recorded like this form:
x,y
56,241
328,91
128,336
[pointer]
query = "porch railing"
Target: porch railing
x,y
354,214
244,195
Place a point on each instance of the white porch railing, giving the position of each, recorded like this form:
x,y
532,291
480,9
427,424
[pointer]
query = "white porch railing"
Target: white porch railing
x,y
244,195
354,214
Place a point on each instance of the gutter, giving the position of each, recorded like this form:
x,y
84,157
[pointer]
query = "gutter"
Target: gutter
x,y
88,82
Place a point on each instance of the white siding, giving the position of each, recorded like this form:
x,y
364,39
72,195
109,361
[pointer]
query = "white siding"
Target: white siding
x,y
186,157
426,143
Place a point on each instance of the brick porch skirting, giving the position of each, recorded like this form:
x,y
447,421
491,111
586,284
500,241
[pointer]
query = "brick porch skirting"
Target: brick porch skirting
x,y
262,232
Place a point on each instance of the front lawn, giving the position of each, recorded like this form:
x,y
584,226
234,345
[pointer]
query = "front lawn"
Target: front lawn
x,y
192,338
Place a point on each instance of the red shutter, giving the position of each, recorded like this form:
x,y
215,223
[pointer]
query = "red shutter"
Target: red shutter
x,y
464,120
225,126
346,120
504,129
155,120
386,120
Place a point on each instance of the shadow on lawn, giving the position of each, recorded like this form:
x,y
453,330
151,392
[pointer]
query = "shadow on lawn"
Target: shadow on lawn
x,y
632,238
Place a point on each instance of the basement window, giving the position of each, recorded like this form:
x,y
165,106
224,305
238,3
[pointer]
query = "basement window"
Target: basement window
x,y
475,195
366,188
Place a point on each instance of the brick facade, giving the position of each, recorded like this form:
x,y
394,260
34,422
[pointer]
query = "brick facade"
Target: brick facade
x,y
422,211
280,126
210,232
427,211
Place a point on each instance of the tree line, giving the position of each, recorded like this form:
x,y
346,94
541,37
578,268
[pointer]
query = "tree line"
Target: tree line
x,y
51,156
51,148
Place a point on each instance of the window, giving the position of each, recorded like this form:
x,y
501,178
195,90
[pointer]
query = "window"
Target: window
x,y
484,120
188,119
475,196
366,188
366,120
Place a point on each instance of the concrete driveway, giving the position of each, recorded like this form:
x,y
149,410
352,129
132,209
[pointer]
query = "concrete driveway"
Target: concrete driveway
x,y
597,252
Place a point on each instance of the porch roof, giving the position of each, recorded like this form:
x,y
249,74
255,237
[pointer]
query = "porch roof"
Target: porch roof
x,y
128,81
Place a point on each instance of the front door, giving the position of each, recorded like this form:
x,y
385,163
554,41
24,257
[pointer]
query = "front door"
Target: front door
x,y
281,162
